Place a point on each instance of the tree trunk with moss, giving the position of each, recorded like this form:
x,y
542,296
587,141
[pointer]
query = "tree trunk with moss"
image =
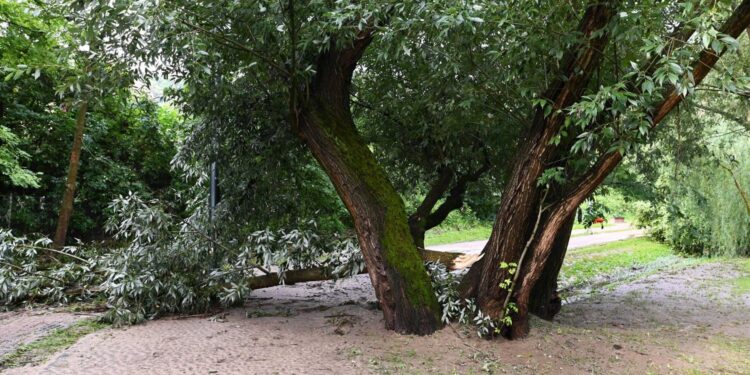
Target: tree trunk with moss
x,y
394,265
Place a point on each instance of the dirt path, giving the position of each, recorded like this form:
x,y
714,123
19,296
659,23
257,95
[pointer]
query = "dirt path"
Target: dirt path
x,y
22,327
579,239
685,321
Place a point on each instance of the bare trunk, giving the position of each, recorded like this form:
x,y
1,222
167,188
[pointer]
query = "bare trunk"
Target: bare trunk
x,y
545,301
521,198
66,208
398,276
560,214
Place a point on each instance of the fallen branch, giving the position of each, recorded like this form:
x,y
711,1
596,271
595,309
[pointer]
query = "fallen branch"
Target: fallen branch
x,y
453,261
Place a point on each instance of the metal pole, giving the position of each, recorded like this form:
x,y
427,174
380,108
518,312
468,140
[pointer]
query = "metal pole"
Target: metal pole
x,y
212,193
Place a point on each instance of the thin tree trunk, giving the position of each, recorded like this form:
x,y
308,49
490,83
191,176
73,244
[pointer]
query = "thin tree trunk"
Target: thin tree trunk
x,y
9,214
399,278
424,218
745,196
66,208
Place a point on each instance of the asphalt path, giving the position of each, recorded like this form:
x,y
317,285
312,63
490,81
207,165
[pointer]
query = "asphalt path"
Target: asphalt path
x,y
579,238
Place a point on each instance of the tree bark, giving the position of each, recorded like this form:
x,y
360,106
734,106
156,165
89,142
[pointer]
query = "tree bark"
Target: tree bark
x,y
66,208
520,200
325,123
545,302
560,214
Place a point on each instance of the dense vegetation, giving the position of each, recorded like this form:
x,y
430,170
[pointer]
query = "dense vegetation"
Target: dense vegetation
x,y
223,144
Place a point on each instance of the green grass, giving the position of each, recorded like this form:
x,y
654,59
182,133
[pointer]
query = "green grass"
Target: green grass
x,y
742,283
440,237
57,340
584,265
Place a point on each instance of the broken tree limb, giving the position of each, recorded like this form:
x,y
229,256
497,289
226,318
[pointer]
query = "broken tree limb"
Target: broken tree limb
x,y
453,261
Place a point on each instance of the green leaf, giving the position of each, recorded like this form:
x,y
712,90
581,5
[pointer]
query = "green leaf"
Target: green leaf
x,y
647,86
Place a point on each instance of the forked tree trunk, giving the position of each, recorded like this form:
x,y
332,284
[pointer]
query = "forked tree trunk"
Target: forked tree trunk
x,y
425,218
520,202
66,208
394,265
418,221
544,240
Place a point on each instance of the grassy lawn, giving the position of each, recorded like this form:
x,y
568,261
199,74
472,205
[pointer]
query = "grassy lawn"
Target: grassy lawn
x,y
440,237
617,260
742,283
480,232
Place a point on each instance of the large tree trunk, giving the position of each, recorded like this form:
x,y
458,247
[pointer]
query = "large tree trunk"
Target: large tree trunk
x,y
401,282
520,202
543,240
66,208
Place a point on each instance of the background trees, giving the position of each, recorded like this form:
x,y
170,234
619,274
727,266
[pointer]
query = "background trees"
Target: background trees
x,y
127,145
699,167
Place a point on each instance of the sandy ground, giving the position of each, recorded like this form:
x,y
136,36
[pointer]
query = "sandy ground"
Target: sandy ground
x,y
684,321
612,233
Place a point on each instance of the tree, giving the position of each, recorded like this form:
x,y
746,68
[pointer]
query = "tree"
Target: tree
x,y
592,109
66,207
697,166
305,53
90,77
21,35
541,197
124,148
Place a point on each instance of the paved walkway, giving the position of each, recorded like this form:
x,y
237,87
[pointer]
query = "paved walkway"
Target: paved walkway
x,y
617,232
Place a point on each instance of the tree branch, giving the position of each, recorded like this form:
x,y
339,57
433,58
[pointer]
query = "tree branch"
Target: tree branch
x,y
438,188
742,192
228,42
734,26
455,199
